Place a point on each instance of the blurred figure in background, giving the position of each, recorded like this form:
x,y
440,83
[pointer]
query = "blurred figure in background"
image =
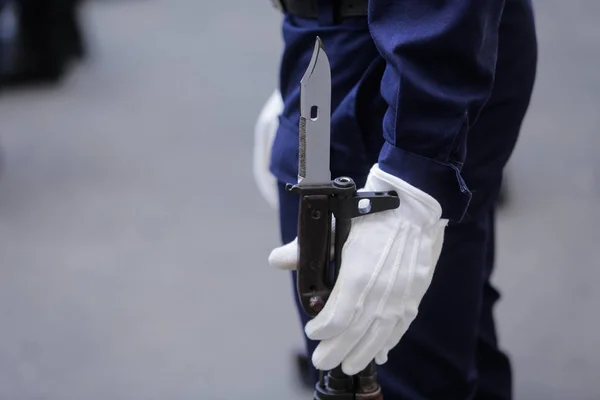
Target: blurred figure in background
x,y
40,39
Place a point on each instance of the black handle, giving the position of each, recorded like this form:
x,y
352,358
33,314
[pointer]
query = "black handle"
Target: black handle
x,y
314,243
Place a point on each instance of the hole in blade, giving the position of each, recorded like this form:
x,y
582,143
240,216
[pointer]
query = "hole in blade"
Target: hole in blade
x,y
314,113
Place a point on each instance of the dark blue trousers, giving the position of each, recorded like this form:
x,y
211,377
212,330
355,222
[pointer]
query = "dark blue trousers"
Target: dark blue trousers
x,y
451,350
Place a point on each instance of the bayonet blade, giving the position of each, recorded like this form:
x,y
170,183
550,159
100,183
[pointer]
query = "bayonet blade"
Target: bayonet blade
x,y
315,120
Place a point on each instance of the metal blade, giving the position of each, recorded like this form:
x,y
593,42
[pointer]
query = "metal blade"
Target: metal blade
x,y
315,120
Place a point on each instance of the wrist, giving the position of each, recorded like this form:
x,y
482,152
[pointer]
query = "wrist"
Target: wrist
x,y
438,179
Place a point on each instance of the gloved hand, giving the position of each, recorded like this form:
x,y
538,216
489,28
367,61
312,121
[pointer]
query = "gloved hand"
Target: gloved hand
x,y
264,134
387,266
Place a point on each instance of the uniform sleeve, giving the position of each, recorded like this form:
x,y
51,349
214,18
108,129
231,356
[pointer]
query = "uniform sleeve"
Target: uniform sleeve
x,y
441,57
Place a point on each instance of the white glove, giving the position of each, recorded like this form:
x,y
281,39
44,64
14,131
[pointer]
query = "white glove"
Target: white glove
x,y
264,135
387,266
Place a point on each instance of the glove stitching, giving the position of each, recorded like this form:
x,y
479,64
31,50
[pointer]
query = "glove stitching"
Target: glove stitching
x,y
411,273
373,323
358,353
360,302
396,265
381,262
391,342
378,316
402,325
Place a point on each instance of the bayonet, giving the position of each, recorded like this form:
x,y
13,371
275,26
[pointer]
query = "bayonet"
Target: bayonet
x,y
321,198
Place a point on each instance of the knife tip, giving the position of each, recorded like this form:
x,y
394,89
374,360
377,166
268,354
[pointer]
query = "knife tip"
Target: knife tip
x,y
319,43
319,55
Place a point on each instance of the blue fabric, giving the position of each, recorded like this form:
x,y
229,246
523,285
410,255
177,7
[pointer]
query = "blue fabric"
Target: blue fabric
x,y
450,351
408,85
441,59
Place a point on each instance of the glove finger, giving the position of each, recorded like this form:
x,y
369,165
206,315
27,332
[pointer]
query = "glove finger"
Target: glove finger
x,y
332,351
381,357
329,322
333,320
346,300
329,354
285,257
368,347
393,340
265,130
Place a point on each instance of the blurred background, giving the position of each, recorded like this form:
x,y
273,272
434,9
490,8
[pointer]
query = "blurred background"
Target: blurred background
x,y
133,241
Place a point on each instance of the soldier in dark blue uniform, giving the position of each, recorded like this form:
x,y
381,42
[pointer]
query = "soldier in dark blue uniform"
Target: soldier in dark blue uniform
x,y
434,92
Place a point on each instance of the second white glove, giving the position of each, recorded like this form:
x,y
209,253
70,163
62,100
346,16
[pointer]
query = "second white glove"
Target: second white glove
x,y
387,266
265,130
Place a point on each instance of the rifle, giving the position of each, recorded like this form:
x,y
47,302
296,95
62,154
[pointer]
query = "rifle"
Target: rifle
x,y
320,199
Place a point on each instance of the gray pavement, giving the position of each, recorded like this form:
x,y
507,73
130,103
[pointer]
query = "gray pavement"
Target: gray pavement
x,y
129,268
